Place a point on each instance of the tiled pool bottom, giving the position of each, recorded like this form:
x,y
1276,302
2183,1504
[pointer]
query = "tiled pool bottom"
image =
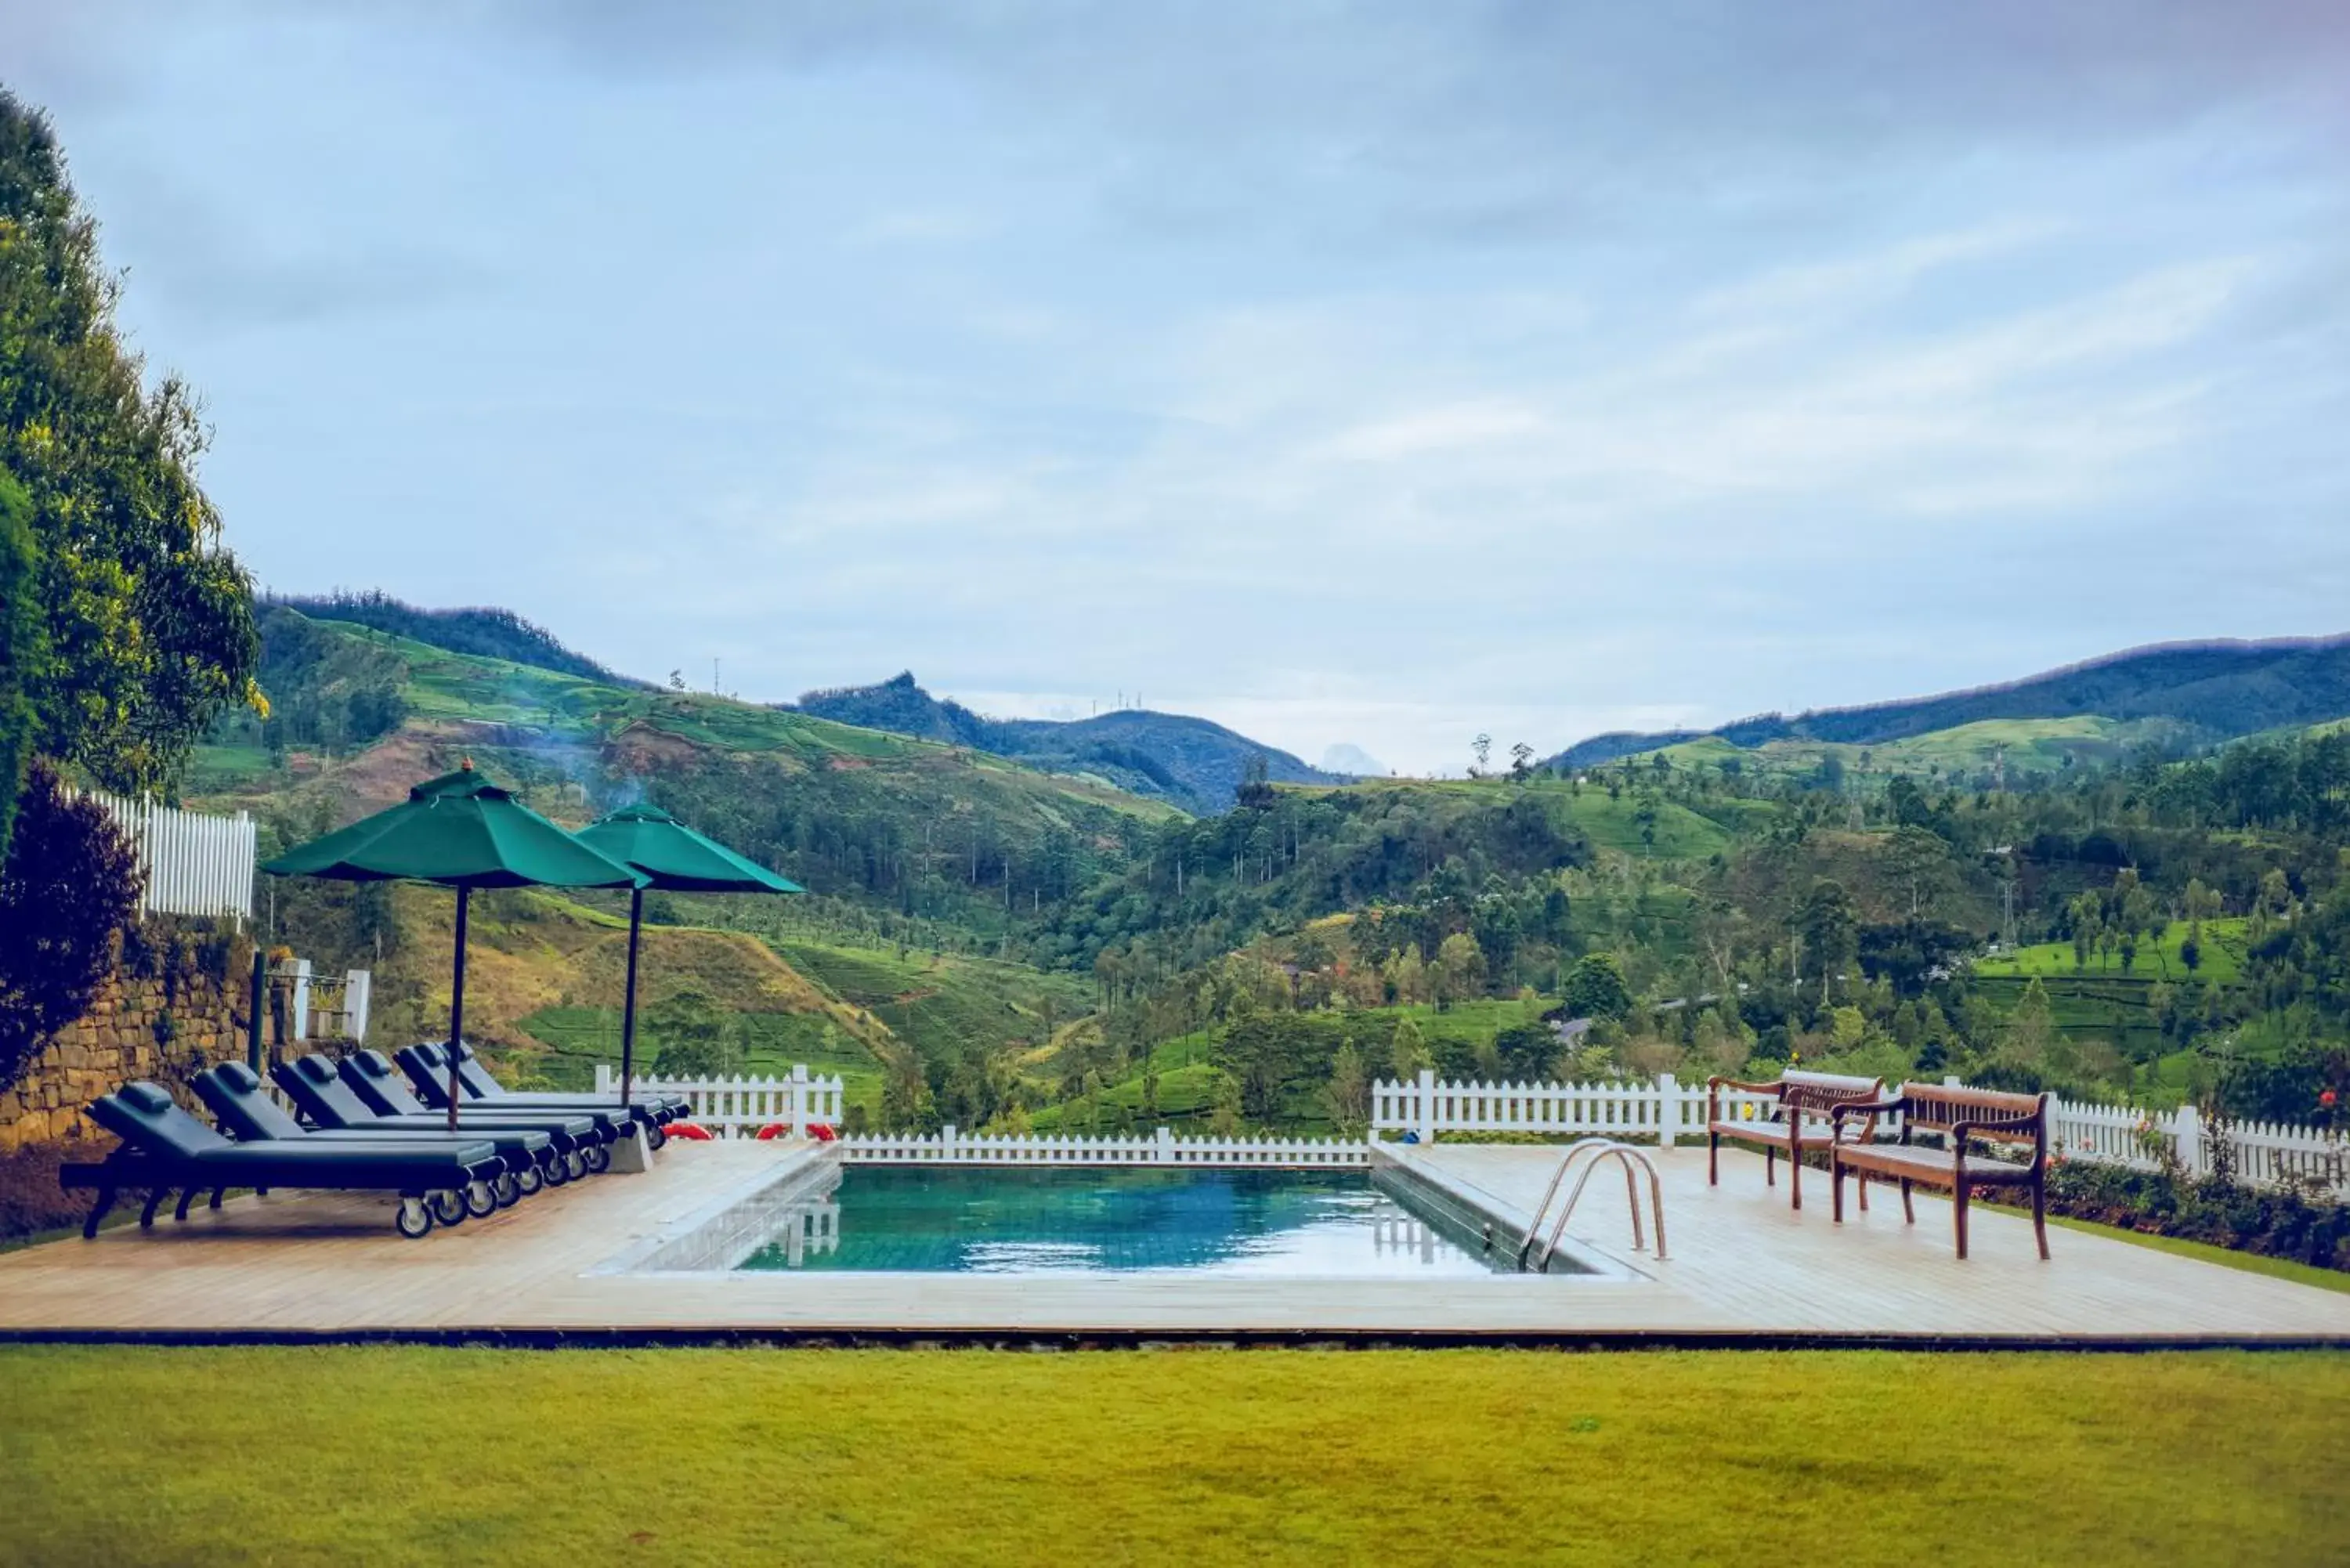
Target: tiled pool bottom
x,y
1237,1224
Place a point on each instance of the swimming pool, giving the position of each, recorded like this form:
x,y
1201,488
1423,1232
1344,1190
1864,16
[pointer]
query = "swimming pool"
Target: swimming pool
x,y
1233,1223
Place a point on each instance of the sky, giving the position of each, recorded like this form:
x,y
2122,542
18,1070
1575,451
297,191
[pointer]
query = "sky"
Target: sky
x,y
1370,374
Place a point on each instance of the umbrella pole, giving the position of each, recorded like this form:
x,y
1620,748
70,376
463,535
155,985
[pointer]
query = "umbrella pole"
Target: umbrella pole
x,y
628,1004
457,1007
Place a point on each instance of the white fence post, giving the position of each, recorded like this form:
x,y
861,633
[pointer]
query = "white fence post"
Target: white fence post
x,y
358,990
1424,1120
1669,1109
799,1099
2187,1128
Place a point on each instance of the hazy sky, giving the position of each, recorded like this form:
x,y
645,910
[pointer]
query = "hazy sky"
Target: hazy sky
x,y
1371,373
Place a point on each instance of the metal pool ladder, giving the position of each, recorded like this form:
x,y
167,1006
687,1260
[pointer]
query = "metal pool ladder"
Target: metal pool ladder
x,y
1598,1149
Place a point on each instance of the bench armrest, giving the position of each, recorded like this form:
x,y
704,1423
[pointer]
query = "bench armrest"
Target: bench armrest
x,y
1961,1131
1719,1082
1867,1109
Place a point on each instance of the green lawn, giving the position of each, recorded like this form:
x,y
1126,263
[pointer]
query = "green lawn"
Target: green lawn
x,y
2221,959
443,1457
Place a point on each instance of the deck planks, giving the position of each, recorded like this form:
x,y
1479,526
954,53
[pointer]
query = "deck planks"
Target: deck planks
x,y
1743,1268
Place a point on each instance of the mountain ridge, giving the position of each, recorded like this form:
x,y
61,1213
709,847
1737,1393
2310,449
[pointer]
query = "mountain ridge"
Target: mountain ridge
x,y
2223,686
1195,763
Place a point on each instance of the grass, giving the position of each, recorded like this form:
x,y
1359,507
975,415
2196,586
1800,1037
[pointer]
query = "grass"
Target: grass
x,y
444,1456
2221,959
1970,752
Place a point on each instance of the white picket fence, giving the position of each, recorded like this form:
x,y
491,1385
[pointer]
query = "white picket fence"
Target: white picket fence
x,y
2264,1153
741,1107
950,1147
1661,1108
196,864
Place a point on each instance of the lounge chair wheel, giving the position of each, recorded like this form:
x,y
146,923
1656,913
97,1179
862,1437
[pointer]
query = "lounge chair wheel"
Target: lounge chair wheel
x,y
449,1208
575,1166
598,1159
413,1219
506,1190
529,1181
480,1201
658,1136
557,1171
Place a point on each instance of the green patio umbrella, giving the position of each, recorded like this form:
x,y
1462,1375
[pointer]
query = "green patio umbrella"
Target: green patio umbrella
x,y
460,831
675,858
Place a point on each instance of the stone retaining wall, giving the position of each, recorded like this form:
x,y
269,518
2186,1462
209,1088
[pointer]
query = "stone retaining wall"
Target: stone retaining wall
x,y
162,1027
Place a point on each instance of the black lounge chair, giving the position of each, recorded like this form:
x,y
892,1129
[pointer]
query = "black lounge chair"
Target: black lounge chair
x,y
427,1067
364,1091
240,1103
163,1146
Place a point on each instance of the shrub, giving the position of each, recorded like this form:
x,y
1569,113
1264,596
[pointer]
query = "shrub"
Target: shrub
x,y
69,884
2270,1221
30,1199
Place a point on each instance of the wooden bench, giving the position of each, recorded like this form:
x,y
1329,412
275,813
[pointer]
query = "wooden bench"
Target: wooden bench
x,y
1960,1115
1803,1118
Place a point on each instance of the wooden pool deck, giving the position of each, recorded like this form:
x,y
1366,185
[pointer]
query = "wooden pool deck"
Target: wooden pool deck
x,y
1743,1270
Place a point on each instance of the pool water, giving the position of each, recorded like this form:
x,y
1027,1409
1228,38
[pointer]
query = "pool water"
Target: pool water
x,y
1304,1224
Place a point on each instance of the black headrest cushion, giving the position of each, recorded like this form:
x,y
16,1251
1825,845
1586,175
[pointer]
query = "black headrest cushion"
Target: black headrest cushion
x,y
144,1097
372,1064
239,1078
317,1069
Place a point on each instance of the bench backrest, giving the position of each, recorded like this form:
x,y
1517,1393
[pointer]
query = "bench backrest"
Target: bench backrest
x,y
1938,1107
1818,1093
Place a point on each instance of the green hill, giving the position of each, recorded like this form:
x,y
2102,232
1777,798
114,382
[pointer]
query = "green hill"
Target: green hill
x,y
2214,691
492,632
885,822
1978,752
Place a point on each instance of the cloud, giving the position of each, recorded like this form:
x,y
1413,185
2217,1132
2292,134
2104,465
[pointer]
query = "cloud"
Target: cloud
x,y
1364,372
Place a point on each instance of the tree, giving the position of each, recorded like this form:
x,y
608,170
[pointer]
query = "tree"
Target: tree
x,y
689,1031
1407,977
148,618
2089,913
1266,1053
71,881
1460,967
1347,1095
2031,1029
22,644
1522,761
1484,747
1408,1055
1224,1116
1525,1050
1828,925
1255,791
907,1104
1596,988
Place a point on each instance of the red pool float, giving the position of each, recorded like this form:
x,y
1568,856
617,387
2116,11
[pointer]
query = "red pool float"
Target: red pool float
x,y
689,1131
